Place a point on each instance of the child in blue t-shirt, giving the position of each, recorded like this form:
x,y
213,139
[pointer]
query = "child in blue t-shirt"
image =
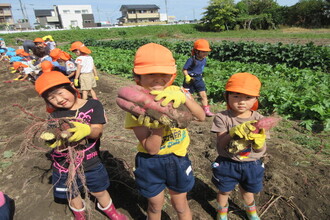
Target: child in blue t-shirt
x,y
193,72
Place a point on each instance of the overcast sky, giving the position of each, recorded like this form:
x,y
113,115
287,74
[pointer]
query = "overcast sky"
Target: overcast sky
x,y
108,10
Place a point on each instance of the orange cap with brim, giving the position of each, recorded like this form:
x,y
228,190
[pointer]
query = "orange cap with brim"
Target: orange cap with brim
x,y
244,83
202,45
78,45
38,40
154,58
17,65
50,79
21,52
46,66
55,54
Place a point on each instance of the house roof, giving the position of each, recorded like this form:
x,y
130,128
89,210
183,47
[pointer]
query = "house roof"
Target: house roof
x,y
43,12
138,7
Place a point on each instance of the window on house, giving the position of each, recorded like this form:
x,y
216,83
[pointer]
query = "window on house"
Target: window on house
x,y
85,11
87,21
77,11
66,11
74,23
142,11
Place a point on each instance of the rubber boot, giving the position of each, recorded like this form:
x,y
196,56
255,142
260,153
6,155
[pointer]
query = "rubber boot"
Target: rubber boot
x,y
207,111
79,214
251,212
222,212
111,212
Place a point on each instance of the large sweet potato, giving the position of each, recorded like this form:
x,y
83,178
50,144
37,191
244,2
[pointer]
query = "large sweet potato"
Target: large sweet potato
x,y
138,101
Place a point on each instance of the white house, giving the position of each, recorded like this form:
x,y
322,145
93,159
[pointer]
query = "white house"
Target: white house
x,y
73,15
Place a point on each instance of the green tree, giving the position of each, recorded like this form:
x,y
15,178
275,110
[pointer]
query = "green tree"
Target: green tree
x,y
219,15
309,13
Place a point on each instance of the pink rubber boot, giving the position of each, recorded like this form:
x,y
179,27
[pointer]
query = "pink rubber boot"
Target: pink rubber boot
x,y
2,199
111,212
207,110
79,214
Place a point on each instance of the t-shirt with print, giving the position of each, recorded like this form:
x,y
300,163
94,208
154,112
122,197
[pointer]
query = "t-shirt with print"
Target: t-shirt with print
x,y
175,140
91,113
70,67
86,62
195,67
223,122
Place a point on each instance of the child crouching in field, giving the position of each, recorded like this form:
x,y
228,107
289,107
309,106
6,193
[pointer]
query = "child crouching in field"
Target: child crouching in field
x,y
162,160
87,119
239,160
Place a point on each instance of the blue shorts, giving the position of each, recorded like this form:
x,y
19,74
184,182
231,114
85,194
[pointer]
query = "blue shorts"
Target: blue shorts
x,y
228,173
8,209
197,85
97,180
155,172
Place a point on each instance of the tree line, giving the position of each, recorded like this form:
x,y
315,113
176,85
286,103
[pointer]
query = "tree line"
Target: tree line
x,y
223,15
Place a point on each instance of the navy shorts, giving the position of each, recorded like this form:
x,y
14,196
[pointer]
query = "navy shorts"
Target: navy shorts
x,y
8,208
197,85
155,172
97,180
228,173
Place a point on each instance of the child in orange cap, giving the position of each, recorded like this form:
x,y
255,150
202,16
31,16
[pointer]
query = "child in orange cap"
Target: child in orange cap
x,y
193,72
24,71
63,58
162,160
87,119
242,167
86,74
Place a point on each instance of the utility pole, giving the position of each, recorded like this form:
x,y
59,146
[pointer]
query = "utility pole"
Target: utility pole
x,y
20,3
166,11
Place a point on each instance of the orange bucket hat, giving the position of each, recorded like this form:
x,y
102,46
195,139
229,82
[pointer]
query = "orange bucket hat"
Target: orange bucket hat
x,y
202,45
50,79
38,40
154,58
46,66
78,45
17,65
57,53
21,52
245,83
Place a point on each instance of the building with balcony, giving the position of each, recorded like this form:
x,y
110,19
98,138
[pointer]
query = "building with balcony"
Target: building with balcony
x,y
134,14
6,16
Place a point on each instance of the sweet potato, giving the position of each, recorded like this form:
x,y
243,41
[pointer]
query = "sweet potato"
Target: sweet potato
x,y
237,144
57,131
138,101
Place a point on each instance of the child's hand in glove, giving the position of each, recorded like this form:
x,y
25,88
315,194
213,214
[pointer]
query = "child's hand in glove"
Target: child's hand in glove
x,y
258,139
187,78
76,82
145,121
171,93
79,131
243,130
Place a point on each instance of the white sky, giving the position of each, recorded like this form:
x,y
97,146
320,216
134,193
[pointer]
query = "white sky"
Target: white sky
x,y
108,10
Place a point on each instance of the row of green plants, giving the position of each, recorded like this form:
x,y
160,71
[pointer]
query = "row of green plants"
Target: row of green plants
x,y
296,94
300,56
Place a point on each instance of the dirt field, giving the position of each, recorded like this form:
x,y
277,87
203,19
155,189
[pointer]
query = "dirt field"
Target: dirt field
x,y
296,183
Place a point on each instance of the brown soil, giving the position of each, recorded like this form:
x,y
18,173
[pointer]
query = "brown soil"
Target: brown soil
x,y
296,183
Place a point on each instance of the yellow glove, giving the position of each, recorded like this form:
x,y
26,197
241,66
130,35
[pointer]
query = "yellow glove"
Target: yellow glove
x,y
79,131
242,130
76,82
171,93
187,78
57,143
145,121
259,139
96,78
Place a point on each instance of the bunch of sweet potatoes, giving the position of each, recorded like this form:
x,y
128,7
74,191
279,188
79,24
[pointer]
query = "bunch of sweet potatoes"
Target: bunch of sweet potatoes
x,y
138,101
